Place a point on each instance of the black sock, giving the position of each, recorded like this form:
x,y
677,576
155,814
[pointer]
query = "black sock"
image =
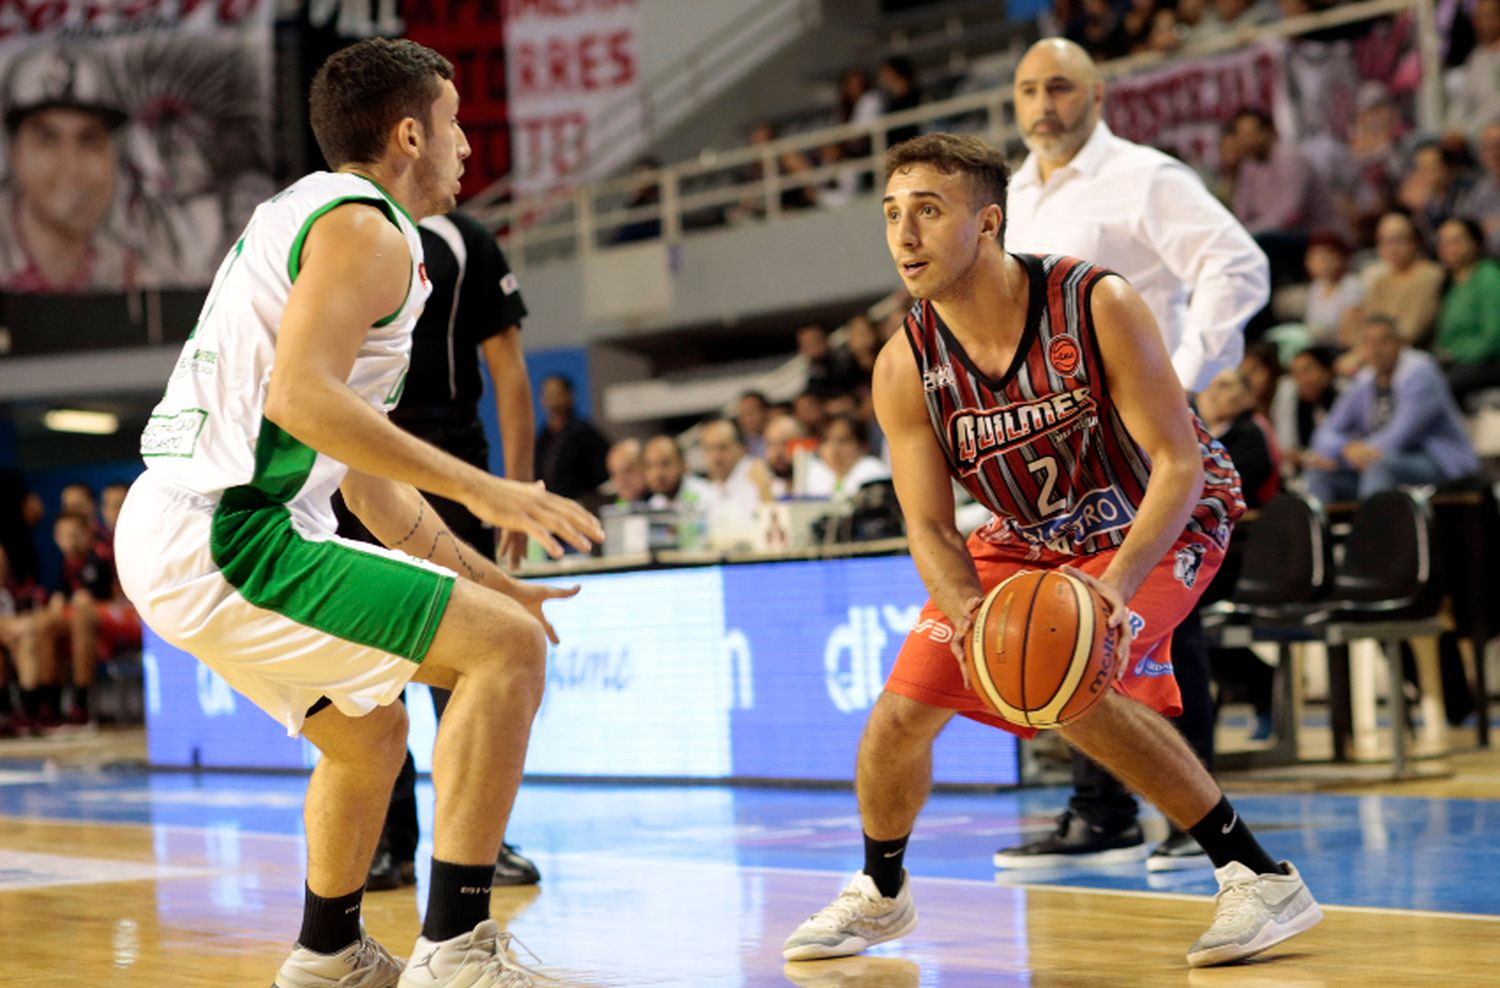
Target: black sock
x,y
52,699
1227,838
883,863
458,898
81,698
31,703
330,925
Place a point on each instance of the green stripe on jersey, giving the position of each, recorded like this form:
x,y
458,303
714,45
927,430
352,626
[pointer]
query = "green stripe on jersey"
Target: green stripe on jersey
x,y
383,203
362,597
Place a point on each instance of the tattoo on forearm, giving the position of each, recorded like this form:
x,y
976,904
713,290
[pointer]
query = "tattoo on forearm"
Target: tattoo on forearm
x,y
421,513
458,552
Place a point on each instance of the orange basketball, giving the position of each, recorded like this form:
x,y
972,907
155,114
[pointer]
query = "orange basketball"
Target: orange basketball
x,y
1041,652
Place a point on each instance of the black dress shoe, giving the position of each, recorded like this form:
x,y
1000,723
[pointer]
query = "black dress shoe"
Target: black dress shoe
x,y
511,868
1076,842
387,873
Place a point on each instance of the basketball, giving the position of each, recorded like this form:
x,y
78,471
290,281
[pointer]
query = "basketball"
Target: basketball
x,y
1041,652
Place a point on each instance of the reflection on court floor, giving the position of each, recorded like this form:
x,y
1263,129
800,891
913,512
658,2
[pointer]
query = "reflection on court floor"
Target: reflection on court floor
x,y
196,880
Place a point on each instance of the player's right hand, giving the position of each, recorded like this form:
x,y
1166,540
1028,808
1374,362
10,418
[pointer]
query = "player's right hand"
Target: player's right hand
x,y
512,504
962,629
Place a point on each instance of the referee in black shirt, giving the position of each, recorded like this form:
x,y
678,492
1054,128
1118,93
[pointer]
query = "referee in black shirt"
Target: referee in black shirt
x,y
475,311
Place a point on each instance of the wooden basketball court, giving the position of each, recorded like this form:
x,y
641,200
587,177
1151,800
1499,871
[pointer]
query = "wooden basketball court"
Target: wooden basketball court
x,y
131,878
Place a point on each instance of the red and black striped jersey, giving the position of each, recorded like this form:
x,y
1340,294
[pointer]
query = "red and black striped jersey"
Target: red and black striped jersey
x,y
1044,447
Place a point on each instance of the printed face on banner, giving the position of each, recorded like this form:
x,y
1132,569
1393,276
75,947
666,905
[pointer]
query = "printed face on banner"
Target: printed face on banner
x,y
136,142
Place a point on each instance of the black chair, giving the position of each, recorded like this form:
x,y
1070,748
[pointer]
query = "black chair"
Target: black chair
x,y
1285,574
1386,588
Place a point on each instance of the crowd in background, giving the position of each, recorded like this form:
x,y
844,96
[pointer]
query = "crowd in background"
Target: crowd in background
x,y
56,633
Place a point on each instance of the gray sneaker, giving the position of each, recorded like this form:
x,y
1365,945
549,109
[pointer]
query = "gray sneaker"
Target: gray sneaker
x,y
1253,912
480,958
858,918
360,965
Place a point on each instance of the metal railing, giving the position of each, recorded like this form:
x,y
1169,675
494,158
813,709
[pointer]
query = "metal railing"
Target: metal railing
x,y
751,181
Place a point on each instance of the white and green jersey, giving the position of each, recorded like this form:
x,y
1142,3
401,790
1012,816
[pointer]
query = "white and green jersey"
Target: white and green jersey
x,y
209,433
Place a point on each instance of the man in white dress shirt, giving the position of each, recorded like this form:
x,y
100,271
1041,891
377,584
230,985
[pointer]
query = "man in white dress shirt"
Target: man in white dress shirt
x,y
1084,192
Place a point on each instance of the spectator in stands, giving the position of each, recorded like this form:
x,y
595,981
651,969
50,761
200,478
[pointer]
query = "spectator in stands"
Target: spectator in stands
x,y
1262,373
898,81
1228,412
1136,24
1278,194
1468,325
862,346
110,500
733,491
1377,144
20,599
647,193
1166,33
1474,89
1334,294
626,474
1431,193
859,103
1314,388
83,617
829,371
843,464
1404,285
788,164
808,409
750,414
62,122
1482,202
785,436
668,484
569,450
1396,423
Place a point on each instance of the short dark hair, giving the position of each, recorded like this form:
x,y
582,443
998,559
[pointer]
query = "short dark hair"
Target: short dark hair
x,y
77,517
1254,113
758,396
959,154
1267,354
1472,228
364,90
739,434
563,379
857,428
1381,319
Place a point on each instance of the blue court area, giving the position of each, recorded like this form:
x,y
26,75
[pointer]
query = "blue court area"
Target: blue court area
x,y
1408,853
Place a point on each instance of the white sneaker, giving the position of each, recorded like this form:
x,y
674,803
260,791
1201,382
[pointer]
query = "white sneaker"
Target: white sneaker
x,y
858,918
480,958
1253,912
360,965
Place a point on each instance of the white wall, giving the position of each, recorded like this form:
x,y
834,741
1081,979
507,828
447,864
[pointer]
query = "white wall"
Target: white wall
x,y
813,257
671,28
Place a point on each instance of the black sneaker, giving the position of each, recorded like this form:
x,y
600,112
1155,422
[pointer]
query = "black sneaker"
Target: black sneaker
x,y
387,873
511,868
1179,852
1076,842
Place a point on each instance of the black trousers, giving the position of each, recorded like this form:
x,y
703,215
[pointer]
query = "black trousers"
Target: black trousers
x,y
1098,797
400,834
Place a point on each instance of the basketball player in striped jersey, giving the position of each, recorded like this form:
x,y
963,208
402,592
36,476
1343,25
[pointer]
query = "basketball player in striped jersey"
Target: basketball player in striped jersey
x,y
1042,385
227,546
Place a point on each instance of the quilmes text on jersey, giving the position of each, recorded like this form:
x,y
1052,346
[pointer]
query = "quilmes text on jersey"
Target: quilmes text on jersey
x,y
975,435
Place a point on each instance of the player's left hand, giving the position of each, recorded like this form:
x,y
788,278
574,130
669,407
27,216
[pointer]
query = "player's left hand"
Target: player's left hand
x,y
1119,613
959,644
533,595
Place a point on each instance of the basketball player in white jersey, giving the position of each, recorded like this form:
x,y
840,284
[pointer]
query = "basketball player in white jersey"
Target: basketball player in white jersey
x,y
226,544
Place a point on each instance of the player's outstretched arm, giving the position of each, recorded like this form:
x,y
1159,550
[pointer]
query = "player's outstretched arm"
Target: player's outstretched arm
x,y
355,269
924,485
401,518
1140,379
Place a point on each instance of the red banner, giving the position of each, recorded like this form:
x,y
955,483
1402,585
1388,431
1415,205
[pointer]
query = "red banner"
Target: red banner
x,y
472,37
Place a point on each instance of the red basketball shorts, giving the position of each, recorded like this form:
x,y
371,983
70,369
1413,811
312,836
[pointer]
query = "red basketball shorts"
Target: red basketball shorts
x,y
927,671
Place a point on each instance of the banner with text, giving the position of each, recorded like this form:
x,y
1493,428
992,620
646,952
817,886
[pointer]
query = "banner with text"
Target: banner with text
x,y
471,36
136,140
574,66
